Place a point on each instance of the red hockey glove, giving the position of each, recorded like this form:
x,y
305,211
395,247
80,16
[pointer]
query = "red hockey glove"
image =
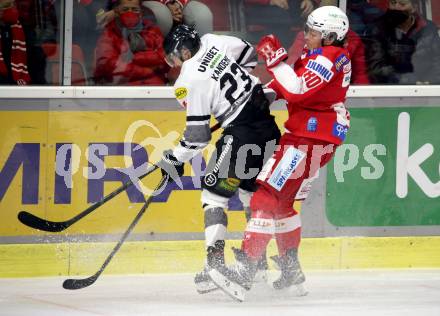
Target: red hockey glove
x,y
270,49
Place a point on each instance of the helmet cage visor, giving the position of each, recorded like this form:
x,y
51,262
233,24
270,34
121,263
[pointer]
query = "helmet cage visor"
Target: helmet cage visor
x,y
171,58
309,29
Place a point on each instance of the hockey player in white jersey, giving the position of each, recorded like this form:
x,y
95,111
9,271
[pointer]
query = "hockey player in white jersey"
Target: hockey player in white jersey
x,y
214,80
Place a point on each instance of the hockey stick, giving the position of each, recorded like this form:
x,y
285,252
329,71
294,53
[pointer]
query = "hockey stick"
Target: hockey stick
x,y
36,222
75,284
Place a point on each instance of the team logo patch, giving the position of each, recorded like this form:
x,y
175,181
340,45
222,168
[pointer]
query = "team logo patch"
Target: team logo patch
x,y
210,179
341,61
286,166
233,182
230,185
319,69
180,93
315,51
312,124
347,68
340,130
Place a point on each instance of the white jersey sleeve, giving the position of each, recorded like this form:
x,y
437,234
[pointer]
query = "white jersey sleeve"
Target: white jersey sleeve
x,y
197,132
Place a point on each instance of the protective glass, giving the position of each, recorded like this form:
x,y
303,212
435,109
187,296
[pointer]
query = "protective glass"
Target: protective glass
x,y
173,59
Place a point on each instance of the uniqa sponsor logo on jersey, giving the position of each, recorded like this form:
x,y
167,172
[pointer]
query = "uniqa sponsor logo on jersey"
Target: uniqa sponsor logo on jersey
x,y
207,58
180,93
340,130
320,69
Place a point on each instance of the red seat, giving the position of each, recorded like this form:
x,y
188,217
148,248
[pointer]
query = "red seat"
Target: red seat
x,y
79,73
220,9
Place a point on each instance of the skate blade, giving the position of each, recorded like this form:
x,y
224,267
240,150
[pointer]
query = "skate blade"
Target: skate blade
x,y
296,290
206,287
233,290
261,277
300,290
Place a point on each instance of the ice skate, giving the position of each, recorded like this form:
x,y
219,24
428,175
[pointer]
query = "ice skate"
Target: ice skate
x,y
215,257
236,279
291,273
262,270
204,283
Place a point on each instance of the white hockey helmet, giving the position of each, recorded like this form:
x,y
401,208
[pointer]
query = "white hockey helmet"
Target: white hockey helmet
x,y
327,20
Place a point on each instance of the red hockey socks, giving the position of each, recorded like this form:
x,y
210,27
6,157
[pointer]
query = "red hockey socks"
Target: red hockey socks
x,y
259,232
288,233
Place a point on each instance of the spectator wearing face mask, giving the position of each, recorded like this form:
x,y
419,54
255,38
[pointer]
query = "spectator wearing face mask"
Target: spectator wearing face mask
x,y
402,47
129,51
13,53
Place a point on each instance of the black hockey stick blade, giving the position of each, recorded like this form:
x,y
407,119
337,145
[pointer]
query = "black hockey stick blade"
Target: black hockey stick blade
x,y
36,222
76,284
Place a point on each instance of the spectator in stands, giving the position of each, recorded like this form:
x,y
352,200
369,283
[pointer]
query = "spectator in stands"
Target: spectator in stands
x,y
403,47
40,25
13,54
280,17
130,51
176,9
192,13
361,14
86,29
355,47
105,15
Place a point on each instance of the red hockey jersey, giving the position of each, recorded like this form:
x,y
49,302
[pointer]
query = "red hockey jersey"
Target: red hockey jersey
x,y
315,90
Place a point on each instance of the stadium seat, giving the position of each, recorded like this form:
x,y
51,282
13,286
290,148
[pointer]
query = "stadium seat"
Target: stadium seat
x,y
79,73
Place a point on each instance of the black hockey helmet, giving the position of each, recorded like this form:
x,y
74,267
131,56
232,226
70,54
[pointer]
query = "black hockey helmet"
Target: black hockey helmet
x,y
182,36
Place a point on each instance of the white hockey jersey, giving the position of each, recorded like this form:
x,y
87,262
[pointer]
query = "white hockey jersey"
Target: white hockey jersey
x,y
215,81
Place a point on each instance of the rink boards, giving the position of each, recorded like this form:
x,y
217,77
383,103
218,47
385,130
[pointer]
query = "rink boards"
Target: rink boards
x,y
367,209
29,260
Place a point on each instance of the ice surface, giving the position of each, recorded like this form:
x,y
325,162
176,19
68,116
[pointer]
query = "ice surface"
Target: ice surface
x,y
342,293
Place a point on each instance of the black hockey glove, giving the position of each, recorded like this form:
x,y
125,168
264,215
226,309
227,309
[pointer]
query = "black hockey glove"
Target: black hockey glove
x,y
169,165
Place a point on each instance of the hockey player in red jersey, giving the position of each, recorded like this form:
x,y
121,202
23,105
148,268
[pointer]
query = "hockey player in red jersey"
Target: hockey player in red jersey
x,y
315,89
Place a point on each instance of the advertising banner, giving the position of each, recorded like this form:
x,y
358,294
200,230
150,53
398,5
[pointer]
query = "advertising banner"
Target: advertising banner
x,y
56,164
387,173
